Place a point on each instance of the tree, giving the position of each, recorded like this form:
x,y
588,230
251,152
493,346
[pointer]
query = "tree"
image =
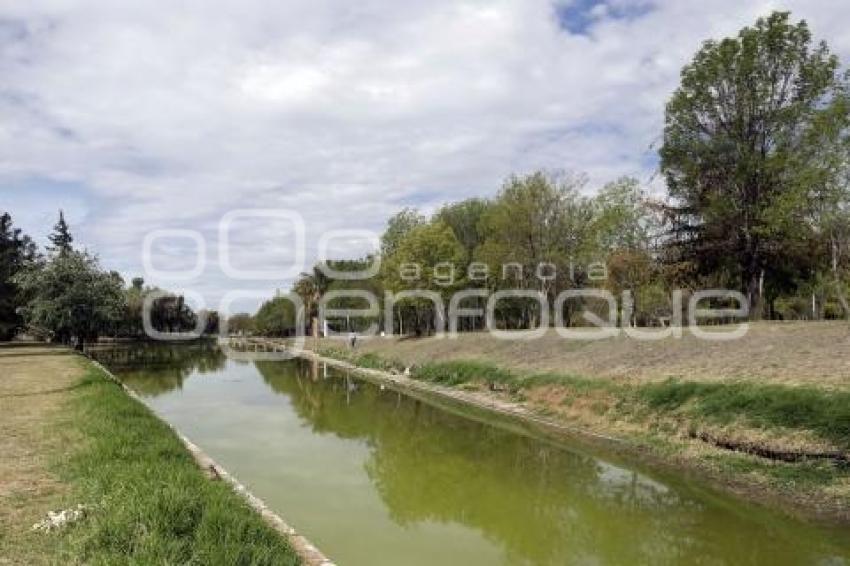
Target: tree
x,y
435,251
276,317
16,252
240,323
71,297
744,137
211,319
61,237
170,313
134,300
464,218
311,287
830,207
623,218
541,224
625,227
372,285
397,228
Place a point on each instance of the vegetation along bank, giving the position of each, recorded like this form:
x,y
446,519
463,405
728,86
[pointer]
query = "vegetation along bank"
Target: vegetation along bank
x,y
733,413
74,440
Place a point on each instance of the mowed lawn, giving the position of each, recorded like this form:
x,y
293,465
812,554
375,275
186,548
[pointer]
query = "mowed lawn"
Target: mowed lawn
x,y
72,436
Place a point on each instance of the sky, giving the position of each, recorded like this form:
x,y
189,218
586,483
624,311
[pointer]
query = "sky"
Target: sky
x,y
143,116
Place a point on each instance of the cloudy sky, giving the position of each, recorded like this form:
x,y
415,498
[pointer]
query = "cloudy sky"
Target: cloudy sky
x,y
142,116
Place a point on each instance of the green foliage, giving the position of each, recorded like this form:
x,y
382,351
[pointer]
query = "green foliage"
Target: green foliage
x,y
432,247
464,218
310,287
623,219
398,226
537,219
425,245
749,141
755,155
168,312
61,237
71,297
152,505
371,285
241,323
17,251
276,317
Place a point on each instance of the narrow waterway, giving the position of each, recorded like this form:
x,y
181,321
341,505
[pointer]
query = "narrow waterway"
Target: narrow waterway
x,y
374,477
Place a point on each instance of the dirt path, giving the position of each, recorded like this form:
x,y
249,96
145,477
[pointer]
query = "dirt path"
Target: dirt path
x,y
34,383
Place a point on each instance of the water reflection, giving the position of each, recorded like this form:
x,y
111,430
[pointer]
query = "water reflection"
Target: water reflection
x,y
540,502
154,368
403,466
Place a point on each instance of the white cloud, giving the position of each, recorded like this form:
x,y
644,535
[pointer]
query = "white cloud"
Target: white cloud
x,y
167,115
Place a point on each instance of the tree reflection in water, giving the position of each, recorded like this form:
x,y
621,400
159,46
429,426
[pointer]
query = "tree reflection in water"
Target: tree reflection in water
x,y
536,501
154,368
540,501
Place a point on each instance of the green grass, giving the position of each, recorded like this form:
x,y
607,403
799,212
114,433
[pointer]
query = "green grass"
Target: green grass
x,y
151,503
692,405
826,413
367,360
460,372
665,409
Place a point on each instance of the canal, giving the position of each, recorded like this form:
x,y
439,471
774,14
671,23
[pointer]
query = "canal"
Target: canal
x,y
376,477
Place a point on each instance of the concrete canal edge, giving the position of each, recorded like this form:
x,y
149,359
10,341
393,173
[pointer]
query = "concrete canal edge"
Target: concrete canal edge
x,y
469,399
307,551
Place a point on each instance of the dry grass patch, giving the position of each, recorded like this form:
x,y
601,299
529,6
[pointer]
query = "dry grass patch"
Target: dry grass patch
x,y
789,353
34,384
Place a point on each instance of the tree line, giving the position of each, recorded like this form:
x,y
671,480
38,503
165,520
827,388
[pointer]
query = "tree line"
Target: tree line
x,y
755,159
63,294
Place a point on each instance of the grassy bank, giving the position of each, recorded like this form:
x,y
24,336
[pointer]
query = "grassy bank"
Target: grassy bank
x,y
148,502
788,353
767,440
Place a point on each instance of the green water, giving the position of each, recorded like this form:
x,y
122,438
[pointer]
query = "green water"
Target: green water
x,y
374,477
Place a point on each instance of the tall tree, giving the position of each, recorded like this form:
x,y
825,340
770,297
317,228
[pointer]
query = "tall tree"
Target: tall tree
x,y
276,317
535,221
311,286
71,297
16,251
61,236
241,324
737,153
439,258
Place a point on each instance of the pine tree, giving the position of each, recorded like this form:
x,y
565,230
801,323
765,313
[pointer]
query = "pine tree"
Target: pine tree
x,y
61,237
17,251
